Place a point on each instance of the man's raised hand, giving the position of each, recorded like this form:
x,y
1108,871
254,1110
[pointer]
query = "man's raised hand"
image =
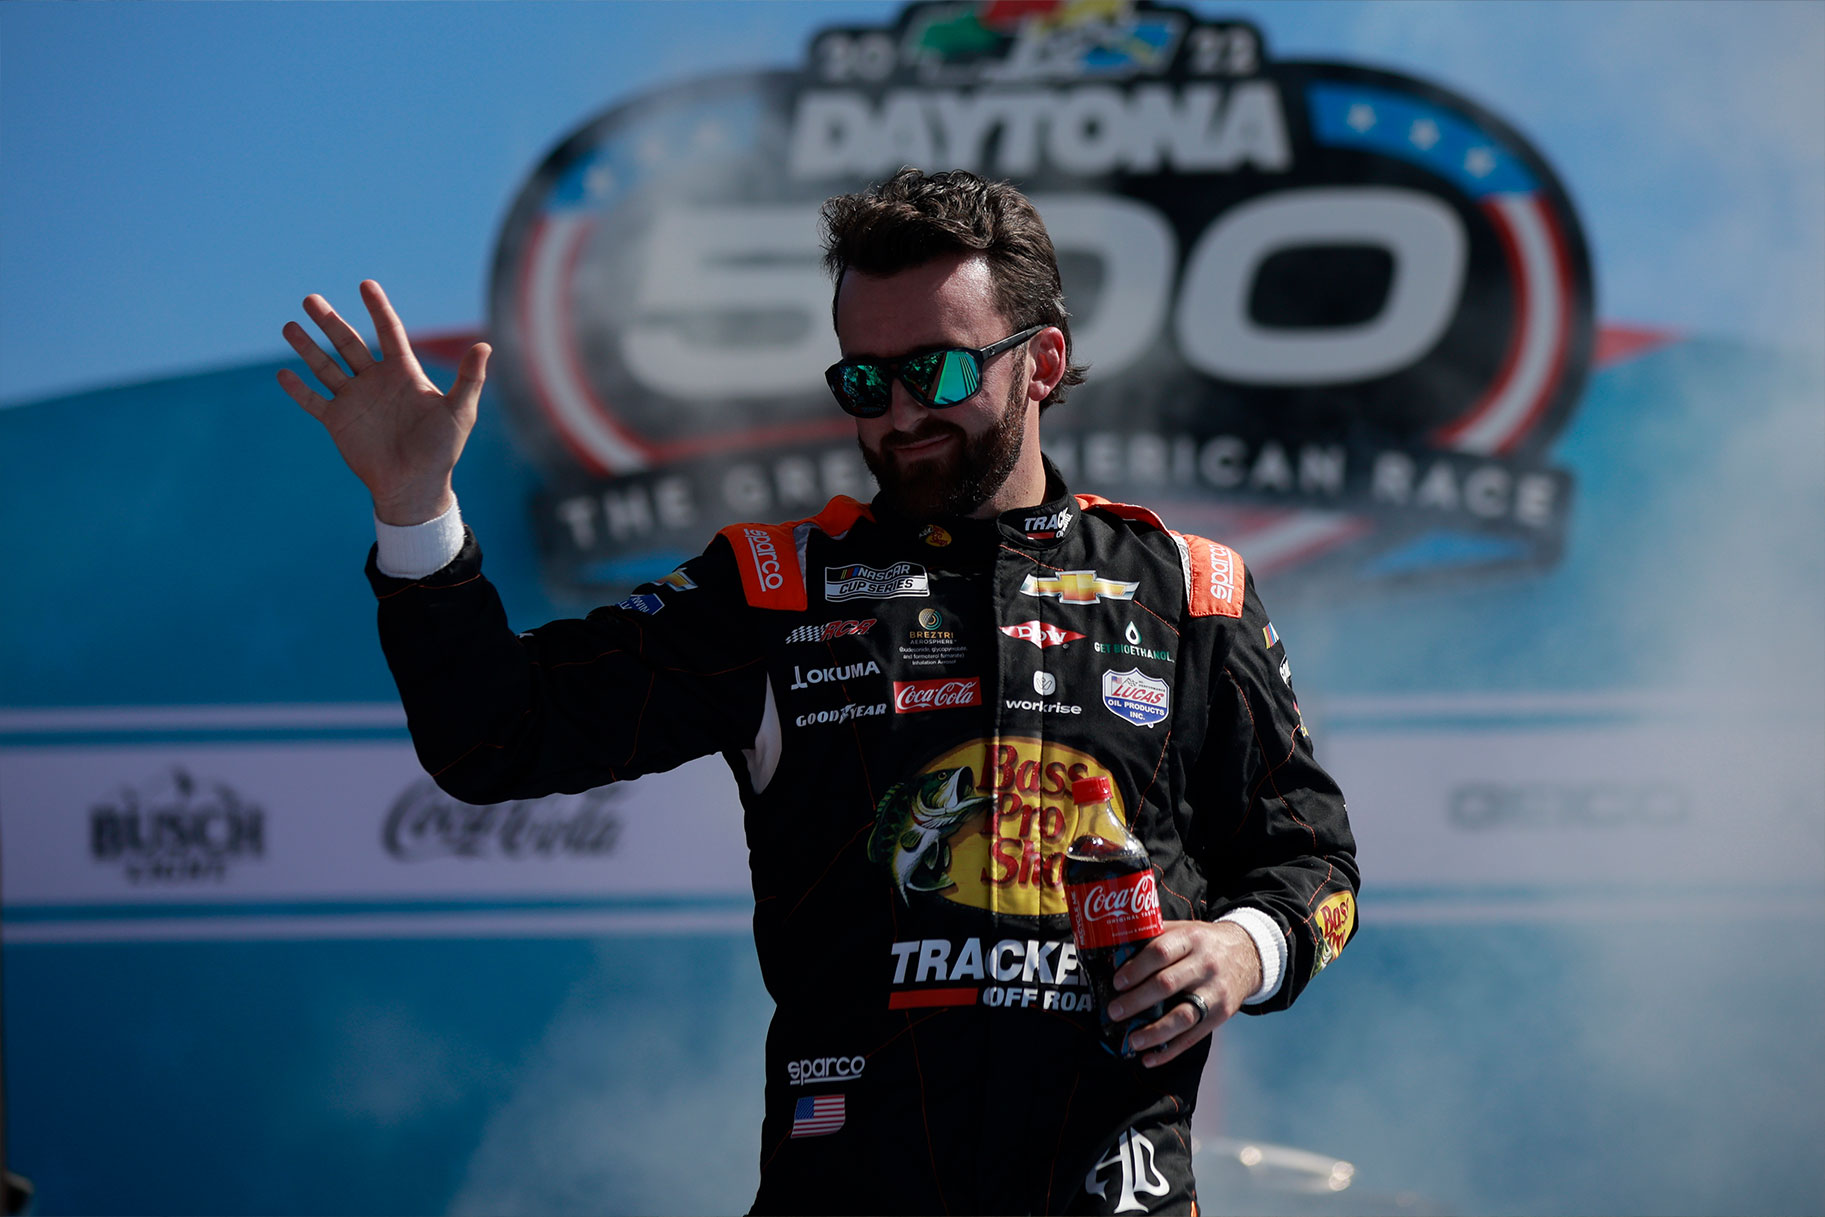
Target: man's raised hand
x,y
396,431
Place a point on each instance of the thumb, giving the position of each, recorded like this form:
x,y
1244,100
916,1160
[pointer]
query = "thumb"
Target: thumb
x,y
466,393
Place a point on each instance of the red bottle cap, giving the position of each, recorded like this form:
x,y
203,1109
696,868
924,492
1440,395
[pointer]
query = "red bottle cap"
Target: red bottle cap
x,y
1091,790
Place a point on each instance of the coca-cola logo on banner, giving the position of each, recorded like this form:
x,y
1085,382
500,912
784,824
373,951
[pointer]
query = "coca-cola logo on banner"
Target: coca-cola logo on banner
x,y
177,829
425,823
1334,315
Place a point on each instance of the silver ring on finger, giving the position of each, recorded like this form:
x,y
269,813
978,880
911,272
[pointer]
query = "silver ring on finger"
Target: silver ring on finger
x,y
1203,1010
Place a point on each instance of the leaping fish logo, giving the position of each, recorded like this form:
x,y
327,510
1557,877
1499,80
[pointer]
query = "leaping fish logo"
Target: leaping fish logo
x,y
914,821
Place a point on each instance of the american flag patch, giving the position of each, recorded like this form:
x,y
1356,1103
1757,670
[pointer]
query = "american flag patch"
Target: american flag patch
x,y
818,1116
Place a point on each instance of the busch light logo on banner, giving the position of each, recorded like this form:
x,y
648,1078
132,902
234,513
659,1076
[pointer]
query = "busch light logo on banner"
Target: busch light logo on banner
x,y
1334,315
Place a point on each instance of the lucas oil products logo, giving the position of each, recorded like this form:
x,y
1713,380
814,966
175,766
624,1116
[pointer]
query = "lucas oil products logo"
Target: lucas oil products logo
x,y
985,825
875,583
1136,697
1325,300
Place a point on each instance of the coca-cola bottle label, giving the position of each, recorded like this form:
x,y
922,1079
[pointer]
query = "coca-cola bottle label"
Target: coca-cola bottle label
x,y
1109,912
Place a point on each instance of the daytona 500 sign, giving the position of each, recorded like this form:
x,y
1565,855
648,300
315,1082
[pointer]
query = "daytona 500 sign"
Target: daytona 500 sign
x,y
1334,315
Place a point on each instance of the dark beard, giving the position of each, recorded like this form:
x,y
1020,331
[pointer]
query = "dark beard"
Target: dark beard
x,y
959,483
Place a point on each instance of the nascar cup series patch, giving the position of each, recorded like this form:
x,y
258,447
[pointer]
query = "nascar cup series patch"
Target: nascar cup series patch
x,y
1135,697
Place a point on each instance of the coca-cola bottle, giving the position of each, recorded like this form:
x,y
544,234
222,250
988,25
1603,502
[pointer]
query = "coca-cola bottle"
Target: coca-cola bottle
x,y
1115,907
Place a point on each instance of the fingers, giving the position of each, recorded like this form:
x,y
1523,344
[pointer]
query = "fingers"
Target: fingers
x,y
298,391
326,370
387,326
470,374
1172,1033
342,336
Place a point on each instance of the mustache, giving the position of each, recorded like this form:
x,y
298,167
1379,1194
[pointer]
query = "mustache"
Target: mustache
x,y
931,430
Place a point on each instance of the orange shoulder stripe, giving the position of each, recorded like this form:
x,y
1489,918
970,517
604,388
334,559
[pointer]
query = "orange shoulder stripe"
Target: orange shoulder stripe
x,y
767,554
1216,575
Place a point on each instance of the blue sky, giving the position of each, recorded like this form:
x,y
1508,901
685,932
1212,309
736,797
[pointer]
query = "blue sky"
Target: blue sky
x,y
175,177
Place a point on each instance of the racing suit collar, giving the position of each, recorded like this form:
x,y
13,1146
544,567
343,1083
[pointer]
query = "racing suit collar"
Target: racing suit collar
x,y
962,538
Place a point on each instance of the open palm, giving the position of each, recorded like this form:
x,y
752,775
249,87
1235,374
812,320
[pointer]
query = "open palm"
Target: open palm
x,y
396,431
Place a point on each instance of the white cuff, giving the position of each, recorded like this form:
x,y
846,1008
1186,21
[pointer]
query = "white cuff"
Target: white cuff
x,y
1270,944
413,551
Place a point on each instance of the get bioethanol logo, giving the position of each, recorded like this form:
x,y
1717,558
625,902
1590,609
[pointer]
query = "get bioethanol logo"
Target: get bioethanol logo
x,y
1335,315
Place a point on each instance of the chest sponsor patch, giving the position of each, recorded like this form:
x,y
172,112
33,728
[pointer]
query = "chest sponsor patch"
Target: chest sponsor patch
x,y
1048,527
830,631
875,582
804,678
1041,634
1135,697
915,696
1077,587
1132,647
985,825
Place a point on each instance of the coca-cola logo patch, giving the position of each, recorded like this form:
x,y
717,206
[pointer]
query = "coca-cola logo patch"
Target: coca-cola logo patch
x,y
914,696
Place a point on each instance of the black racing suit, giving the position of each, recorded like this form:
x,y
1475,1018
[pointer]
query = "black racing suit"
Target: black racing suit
x,y
904,709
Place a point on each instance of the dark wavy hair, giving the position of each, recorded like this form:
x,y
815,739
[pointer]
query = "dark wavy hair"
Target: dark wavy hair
x,y
914,217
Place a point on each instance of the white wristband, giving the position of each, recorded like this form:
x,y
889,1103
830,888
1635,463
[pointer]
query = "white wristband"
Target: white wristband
x,y
1270,944
413,551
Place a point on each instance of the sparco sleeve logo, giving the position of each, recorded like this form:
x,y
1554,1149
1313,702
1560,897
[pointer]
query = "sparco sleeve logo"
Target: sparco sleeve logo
x,y
1343,308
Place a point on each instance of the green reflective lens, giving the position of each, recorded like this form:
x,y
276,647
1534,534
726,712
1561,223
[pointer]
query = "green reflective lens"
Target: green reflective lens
x,y
958,377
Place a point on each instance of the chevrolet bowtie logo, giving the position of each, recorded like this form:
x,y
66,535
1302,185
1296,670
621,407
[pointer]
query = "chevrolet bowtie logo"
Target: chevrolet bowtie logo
x,y
1078,587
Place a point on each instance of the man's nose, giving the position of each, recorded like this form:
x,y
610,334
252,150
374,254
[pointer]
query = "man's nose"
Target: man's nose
x,y
903,409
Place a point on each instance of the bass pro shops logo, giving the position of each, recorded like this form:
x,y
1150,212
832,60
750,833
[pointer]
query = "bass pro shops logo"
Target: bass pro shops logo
x,y
985,825
1336,315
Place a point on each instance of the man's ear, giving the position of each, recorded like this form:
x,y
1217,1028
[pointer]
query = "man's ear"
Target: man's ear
x,y
1045,362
